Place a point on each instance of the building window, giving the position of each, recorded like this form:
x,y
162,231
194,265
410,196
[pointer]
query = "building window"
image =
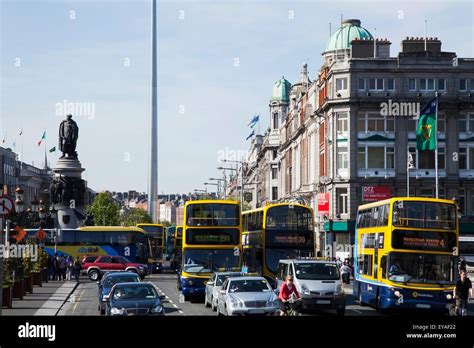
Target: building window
x,y
342,200
376,84
342,157
412,84
391,84
441,123
426,158
466,123
342,122
375,123
442,84
341,84
427,85
463,85
274,154
462,200
274,173
274,193
426,192
376,157
275,120
361,85
472,84
466,157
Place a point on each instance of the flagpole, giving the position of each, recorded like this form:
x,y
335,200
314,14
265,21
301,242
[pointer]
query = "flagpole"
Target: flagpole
x,y
21,160
408,169
436,148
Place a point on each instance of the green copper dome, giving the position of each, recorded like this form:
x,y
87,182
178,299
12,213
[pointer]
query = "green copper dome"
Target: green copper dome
x,y
349,30
281,90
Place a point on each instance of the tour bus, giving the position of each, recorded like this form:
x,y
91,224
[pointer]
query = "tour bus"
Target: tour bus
x,y
156,236
275,232
178,245
466,252
130,242
212,232
406,253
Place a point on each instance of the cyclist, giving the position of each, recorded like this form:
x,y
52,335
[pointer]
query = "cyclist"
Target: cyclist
x,y
287,291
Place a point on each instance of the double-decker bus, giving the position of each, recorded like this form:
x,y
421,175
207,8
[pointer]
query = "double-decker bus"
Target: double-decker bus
x,y
156,235
178,245
275,232
130,242
406,253
169,243
212,233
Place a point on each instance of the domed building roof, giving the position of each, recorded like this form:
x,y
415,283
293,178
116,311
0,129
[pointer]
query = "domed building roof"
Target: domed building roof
x,y
281,91
350,30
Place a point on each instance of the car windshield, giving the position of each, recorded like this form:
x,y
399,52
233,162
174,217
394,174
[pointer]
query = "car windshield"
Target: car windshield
x,y
466,248
208,260
316,271
135,292
274,255
111,281
421,268
221,278
249,285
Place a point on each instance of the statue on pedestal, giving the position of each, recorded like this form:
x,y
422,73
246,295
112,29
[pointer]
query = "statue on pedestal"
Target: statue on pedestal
x,y
68,134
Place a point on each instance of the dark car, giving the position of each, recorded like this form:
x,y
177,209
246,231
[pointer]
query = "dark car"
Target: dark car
x,y
127,299
109,280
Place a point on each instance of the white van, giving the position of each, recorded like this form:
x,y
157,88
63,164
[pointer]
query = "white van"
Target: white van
x,y
466,253
318,282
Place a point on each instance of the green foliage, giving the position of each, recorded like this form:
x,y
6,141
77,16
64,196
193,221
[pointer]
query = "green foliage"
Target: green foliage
x,y
105,210
42,260
135,216
28,264
165,223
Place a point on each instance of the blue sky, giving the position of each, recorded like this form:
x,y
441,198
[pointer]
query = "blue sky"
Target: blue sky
x,y
97,53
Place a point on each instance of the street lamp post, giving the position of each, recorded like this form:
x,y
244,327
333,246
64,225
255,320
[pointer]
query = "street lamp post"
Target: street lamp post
x,y
219,181
214,184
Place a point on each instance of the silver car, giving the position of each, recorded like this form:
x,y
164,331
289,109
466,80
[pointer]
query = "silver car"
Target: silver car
x,y
214,284
246,295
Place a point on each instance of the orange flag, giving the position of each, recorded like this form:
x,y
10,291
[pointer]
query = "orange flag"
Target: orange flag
x,y
40,235
21,233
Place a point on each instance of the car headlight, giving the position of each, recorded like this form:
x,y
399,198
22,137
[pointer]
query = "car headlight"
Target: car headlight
x,y
449,296
116,311
304,289
157,309
234,303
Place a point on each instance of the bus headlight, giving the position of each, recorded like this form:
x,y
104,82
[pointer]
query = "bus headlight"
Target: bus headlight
x,y
397,293
449,296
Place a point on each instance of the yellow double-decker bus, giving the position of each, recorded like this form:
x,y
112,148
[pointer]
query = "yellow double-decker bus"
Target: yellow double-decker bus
x,y
406,253
212,233
275,232
156,235
178,246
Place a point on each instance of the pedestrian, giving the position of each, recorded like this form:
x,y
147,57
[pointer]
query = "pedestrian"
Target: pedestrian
x,y
462,292
345,273
77,268
50,268
338,262
69,267
55,267
62,267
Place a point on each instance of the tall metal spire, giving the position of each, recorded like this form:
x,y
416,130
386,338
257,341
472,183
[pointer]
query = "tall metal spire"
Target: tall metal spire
x,y
153,164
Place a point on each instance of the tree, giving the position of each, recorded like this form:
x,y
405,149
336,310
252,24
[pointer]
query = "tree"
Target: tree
x,y
105,210
135,216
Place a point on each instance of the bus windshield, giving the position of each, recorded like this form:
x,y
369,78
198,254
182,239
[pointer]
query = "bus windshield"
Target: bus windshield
x,y
286,217
316,271
212,215
424,214
274,255
209,260
421,268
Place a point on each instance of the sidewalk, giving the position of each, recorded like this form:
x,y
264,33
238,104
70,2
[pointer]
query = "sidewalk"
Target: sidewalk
x,y
45,300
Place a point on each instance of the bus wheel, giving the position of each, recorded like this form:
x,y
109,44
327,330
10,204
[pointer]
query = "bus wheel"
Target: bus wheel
x,y
94,275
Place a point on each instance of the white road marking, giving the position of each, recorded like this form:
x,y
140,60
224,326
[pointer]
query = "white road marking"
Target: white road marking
x,y
174,305
357,311
181,312
78,300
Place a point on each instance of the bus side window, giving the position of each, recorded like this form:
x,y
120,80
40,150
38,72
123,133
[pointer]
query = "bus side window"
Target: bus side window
x,y
383,266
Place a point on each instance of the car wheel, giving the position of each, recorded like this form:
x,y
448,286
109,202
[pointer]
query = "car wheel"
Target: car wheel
x,y
341,311
219,312
94,275
102,311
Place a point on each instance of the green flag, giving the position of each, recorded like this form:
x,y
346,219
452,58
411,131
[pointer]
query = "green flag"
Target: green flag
x,y
426,129
53,149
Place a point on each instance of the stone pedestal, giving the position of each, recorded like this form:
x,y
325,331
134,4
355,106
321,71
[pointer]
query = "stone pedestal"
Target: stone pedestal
x,y
68,169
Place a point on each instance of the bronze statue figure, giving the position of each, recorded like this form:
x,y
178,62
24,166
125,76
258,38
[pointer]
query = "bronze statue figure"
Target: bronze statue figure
x,y
68,134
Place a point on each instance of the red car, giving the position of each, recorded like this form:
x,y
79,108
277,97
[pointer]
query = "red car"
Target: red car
x,y
95,267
